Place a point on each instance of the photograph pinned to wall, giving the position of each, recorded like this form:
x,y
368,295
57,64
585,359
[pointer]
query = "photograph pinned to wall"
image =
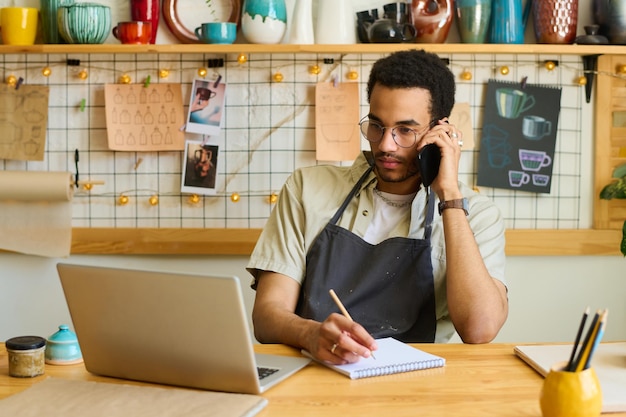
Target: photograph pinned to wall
x,y
200,168
206,107
519,136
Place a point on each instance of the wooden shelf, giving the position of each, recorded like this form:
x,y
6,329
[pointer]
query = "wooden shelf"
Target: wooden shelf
x,y
148,241
361,48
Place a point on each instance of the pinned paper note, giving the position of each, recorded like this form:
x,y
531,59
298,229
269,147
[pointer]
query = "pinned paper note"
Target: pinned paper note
x,y
337,135
144,118
23,122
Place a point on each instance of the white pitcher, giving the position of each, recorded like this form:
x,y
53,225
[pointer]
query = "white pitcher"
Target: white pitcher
x,y
336,22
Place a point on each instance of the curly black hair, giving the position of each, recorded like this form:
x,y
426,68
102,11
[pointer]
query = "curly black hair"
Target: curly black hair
x,y
416,69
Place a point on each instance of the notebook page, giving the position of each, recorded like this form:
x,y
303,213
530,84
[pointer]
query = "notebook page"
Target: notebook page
x,y
392,357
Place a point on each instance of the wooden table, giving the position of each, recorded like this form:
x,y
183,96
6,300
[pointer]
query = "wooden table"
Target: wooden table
x,y
478,380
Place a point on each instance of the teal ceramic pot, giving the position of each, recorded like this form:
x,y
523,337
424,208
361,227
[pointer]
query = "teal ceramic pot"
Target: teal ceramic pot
x,y
264,21
50,28
473,17
62,348
84,23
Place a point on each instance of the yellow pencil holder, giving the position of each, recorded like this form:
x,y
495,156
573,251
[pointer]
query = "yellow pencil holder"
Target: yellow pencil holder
x,y
571,394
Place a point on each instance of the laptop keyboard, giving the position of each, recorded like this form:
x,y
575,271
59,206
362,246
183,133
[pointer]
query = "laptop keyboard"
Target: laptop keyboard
x,y
265,372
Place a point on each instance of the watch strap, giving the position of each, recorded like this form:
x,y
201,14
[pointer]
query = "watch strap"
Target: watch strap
x,y
460,203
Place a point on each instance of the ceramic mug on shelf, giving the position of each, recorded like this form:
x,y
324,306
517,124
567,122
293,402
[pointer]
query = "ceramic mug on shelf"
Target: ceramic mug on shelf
x,y
217,32
137,33
18,25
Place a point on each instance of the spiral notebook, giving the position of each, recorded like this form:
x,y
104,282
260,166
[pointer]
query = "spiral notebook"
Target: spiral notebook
x,y
392,357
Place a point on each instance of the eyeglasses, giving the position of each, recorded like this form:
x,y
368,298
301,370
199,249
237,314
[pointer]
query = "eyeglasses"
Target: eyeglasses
x,y
403,136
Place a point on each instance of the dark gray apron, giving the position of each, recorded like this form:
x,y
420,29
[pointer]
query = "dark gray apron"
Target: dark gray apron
x,y
387,288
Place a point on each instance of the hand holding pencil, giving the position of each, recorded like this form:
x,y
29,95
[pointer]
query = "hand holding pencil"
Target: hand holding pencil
x,y
345,313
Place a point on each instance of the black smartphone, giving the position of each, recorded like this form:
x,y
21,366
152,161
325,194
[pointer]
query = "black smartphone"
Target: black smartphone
x,y
428,161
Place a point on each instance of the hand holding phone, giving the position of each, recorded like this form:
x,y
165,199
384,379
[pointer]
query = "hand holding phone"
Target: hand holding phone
x,y
428,161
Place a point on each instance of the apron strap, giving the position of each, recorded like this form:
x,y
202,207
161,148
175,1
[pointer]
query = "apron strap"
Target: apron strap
x,y
350,196
428,227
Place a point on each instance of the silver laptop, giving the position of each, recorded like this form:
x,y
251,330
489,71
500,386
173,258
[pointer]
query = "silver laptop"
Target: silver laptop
x,y
168,328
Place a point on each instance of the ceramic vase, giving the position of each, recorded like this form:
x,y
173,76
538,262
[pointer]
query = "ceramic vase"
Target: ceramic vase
x,y
432,20
146,11
506,22
571,394
473,17
264,21
610,15
555,21
336,23
49,20
301,24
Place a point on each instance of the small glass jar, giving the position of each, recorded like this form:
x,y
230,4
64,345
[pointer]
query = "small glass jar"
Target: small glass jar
x,y
26,356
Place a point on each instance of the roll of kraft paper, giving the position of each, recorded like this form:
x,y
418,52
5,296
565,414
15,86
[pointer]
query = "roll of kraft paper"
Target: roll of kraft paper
x,y
36,212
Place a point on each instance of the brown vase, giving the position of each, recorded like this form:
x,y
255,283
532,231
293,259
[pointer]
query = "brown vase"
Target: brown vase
x,y
555,21
432,20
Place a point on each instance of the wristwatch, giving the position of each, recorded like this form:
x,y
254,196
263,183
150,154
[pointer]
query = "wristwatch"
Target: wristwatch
x,y
460,203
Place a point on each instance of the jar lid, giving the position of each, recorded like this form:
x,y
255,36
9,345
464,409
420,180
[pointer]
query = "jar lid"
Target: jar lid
x,y
25,343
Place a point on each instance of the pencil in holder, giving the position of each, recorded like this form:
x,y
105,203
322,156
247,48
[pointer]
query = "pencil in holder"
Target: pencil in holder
x,y
571,394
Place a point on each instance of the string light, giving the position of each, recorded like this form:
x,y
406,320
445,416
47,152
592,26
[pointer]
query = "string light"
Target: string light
x,y
234,197
273,198
278,77
83,74
12,80
315,69
466,75
202,72
582,80
550,65
125,79
353,75
504,70
153,200
194,199
621,69
87,186
164,73
242,59
46,71
123,200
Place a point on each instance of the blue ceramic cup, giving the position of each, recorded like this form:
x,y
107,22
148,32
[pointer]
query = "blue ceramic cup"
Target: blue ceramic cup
x,y
217,32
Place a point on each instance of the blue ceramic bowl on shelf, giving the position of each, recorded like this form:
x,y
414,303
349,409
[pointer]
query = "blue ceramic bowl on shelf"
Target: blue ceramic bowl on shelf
x,y
84,23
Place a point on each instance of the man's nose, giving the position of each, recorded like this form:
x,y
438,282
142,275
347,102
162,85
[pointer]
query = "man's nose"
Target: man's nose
x,y
387,141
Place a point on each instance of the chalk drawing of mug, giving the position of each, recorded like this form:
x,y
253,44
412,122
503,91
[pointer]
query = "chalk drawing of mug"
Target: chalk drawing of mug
x,y
518,178
496,142
511,102
535,127
541,180
533,160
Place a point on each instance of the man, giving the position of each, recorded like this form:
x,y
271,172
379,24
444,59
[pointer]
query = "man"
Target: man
x,y
407,261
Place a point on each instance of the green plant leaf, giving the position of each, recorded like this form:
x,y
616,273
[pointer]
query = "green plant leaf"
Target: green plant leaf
x,y
623,245
620,171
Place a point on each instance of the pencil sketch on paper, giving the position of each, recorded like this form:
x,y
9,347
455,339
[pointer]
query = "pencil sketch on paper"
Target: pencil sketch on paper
x,y
23,122
336,121
144,117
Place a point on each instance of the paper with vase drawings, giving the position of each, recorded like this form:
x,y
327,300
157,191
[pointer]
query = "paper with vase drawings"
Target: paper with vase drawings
x,y
337,133
23,122
144,117
68,398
